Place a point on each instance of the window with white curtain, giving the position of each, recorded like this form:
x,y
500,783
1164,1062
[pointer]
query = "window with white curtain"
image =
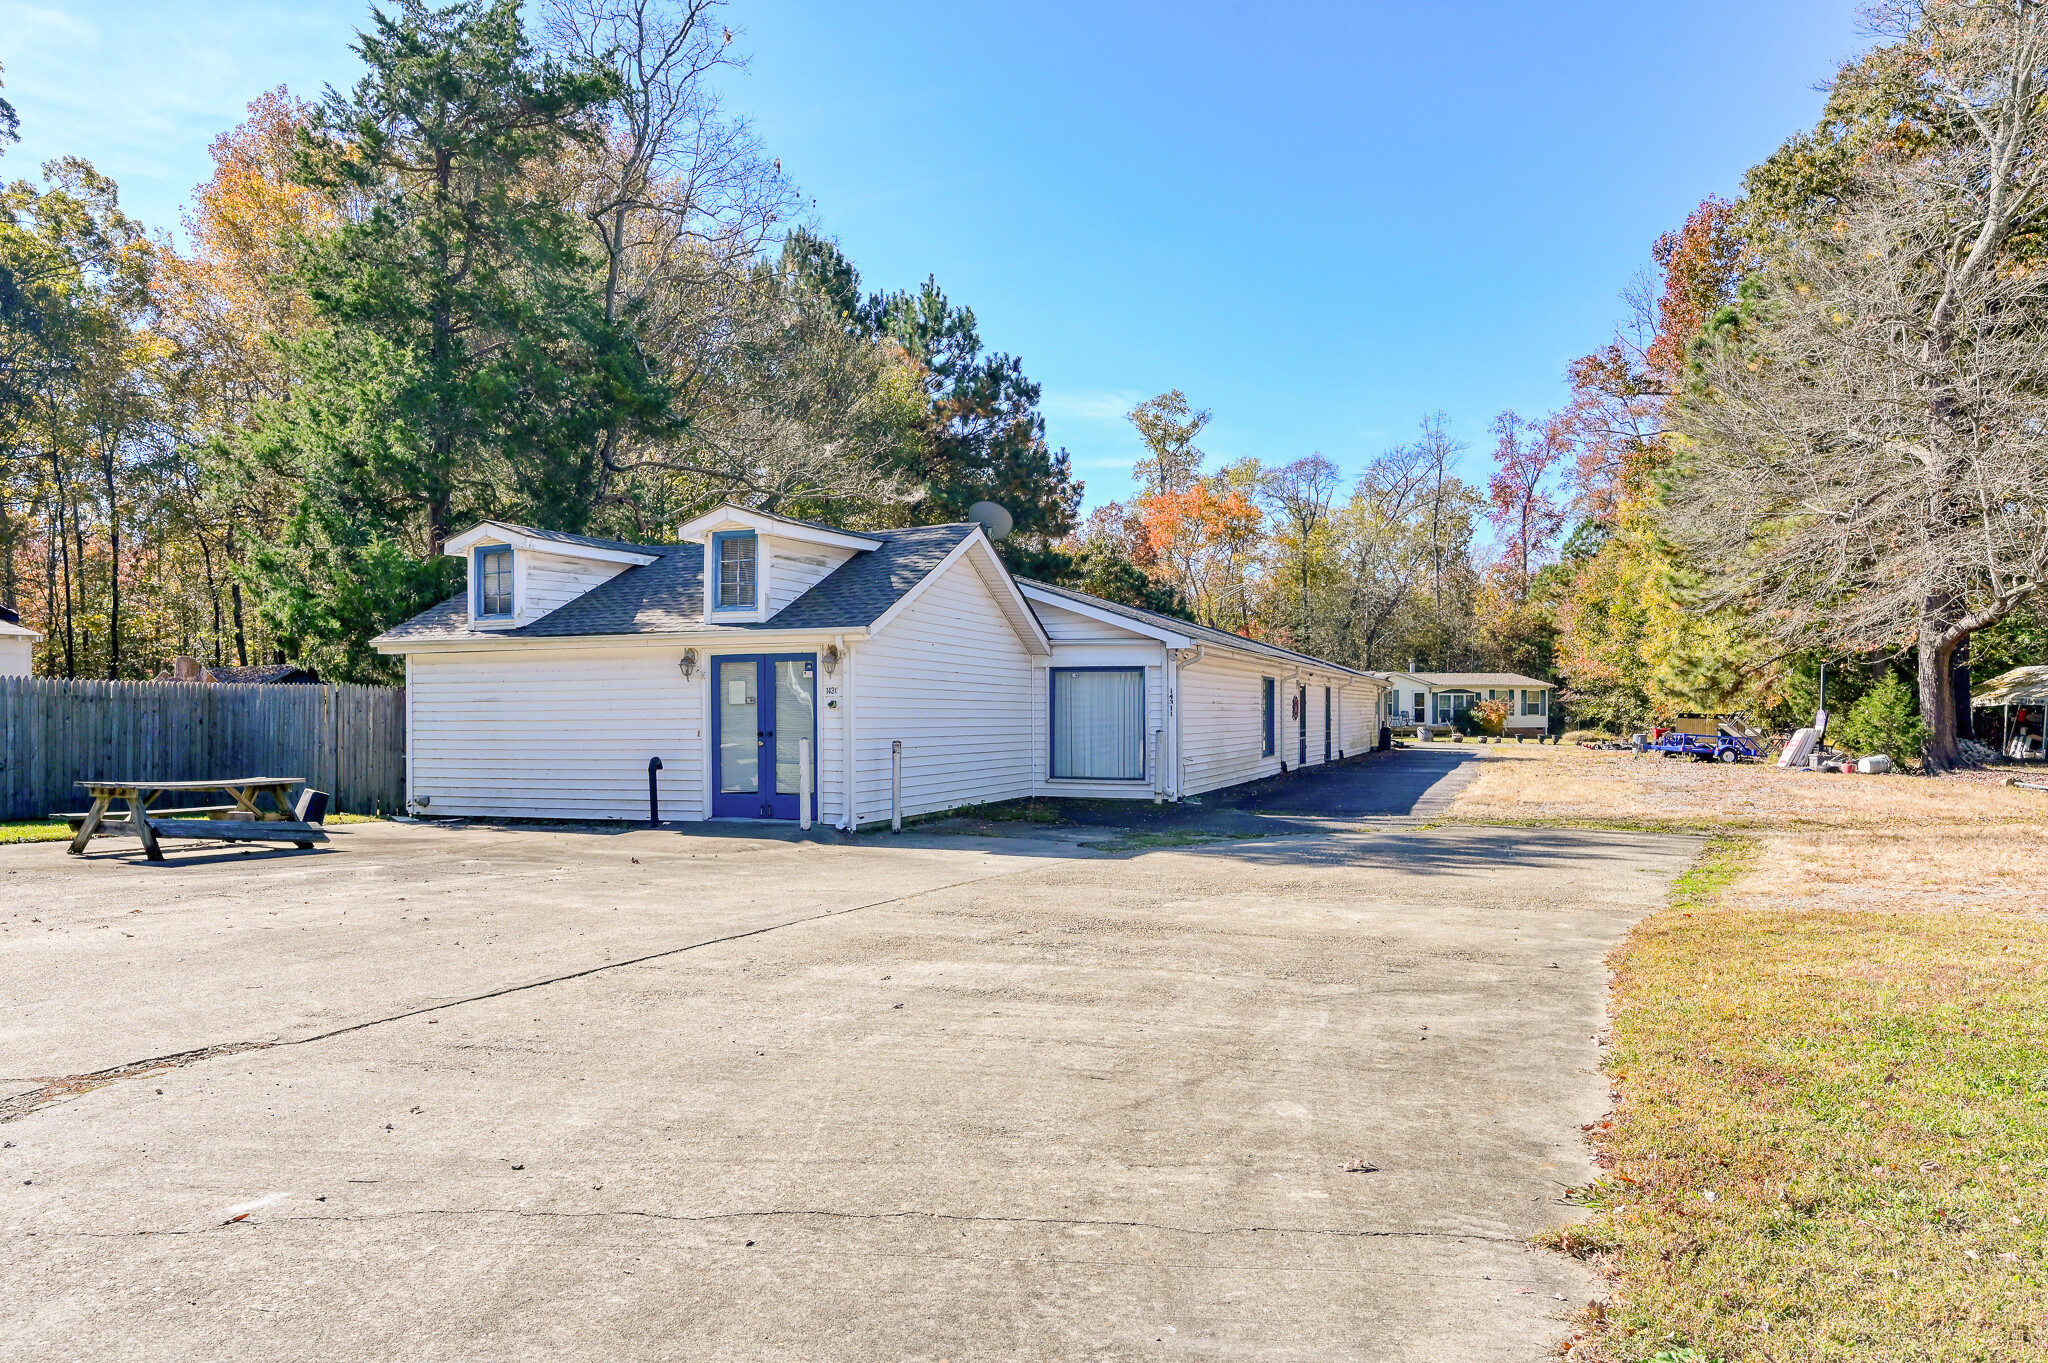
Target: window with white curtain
x,y
1098,723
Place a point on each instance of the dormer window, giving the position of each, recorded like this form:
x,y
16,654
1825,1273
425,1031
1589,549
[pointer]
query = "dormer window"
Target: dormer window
x,y
494,582
737,570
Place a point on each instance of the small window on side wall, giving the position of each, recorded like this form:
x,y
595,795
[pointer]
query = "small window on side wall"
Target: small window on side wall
x,y
736,571
494,582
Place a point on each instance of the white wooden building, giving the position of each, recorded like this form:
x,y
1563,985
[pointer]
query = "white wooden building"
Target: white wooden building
x,y
569,662
1435,699
17,645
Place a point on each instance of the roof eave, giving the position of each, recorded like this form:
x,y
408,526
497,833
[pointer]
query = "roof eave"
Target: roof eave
x,y
458,546
696,529
1033,591
499,643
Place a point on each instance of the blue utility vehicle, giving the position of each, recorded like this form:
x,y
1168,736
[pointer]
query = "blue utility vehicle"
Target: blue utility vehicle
x,y
1705,739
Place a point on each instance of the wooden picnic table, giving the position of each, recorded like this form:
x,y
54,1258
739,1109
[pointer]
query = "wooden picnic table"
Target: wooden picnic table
x,y
246,820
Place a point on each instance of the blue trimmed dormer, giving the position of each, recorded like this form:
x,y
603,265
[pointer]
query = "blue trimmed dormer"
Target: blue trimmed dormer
x,y
736,567
756,563
491,591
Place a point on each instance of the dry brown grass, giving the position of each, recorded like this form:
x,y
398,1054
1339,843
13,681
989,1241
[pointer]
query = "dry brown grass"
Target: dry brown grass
x,y
1894,843
1830,1060
1571,784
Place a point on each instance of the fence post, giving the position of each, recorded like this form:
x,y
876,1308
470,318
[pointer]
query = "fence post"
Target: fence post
x,y
896,786
803,784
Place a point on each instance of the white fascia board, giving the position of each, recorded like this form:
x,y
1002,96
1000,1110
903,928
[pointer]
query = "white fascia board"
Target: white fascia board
x,y
1015,608
8,631
728,640
1296,665
1142,628
738,517
460,545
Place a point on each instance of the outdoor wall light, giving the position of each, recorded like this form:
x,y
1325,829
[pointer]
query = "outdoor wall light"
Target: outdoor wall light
x,y
831,659
689,663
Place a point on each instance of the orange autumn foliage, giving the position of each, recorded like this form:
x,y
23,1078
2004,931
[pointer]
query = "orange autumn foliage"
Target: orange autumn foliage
x,y
228,300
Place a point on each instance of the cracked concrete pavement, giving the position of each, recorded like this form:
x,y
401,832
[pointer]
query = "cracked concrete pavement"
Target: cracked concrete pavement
x,y
659,1095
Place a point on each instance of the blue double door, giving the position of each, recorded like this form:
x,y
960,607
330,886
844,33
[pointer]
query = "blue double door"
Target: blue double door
x,y
762,704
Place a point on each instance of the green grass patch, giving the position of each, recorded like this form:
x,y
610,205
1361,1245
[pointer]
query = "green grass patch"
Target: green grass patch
x,y
35,830
56,830
1831,1140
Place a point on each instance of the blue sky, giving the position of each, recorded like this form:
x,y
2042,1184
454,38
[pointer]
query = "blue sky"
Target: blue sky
x,y
1320,220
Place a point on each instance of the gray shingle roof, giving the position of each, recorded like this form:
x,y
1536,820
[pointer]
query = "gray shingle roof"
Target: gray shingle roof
x,y
267,673
1202,633
811,525
587,541
1469,680
667,597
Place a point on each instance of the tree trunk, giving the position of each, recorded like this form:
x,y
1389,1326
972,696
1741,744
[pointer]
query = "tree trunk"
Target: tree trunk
x,y
1937,688
235,596
113,573
1959,686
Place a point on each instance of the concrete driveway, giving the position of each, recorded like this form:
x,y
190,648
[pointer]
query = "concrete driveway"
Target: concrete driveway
x,y
477,1094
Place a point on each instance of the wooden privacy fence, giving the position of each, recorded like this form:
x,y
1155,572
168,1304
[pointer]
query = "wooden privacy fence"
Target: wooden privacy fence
x,y
346,740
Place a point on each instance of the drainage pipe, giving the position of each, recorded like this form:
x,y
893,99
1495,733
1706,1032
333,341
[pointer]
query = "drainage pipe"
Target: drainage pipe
x,y
653,793
1183,659
848,777
896,786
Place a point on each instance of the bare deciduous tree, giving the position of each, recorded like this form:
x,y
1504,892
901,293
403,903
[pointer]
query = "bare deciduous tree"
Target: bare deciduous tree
x,y
1868,467
681,198
1300,494
1385,560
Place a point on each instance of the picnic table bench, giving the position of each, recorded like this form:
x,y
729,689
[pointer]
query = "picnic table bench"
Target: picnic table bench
x,y
245,820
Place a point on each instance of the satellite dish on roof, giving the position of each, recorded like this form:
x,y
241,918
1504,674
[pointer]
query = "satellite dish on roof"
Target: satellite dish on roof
x,y
991,518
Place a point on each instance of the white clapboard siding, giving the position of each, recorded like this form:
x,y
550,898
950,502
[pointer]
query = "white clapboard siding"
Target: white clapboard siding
x,y
794,568
1129,653
1222,725
1062,624
17,655
547,582
1082,641
949,678
519,733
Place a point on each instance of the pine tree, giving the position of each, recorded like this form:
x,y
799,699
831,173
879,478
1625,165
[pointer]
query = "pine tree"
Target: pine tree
x,y
461,364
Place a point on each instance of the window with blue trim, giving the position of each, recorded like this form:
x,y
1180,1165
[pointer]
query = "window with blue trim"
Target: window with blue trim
x,y
737,575
1266,690
494,582
1098,723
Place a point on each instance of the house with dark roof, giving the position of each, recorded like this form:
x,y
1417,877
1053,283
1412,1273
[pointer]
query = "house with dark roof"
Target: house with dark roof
x,y
1435,699
783,669
184,667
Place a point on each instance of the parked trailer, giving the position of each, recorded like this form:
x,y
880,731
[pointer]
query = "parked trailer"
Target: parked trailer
x,y
1726,739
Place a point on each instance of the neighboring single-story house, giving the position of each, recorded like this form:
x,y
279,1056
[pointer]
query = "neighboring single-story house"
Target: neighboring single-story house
x,y
186,668
17,645
1435,698
570,662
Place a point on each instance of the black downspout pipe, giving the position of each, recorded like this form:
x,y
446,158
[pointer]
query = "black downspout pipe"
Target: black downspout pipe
x,y
653,793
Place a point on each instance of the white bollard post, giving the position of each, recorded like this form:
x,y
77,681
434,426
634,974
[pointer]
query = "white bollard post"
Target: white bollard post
x,y
803,784
896,786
